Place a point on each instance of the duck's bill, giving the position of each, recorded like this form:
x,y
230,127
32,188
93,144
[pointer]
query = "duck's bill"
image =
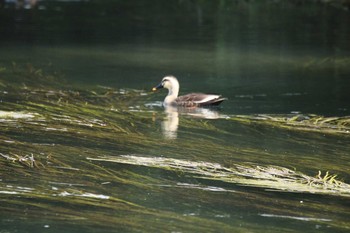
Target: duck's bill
x,y
159,86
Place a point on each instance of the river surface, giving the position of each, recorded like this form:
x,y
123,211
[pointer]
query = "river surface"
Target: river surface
x,y
110,158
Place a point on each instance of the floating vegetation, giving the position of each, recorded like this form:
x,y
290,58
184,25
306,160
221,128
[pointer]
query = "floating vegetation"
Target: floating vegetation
x,y
27,160
327,62
313,123
15,115
296,218
271,177
49,128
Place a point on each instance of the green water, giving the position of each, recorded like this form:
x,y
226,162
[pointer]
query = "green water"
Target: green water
x,y
86,147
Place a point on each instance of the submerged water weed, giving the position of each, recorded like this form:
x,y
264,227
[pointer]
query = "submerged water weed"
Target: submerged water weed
x,y
326,180
27,160
272,177
312,123
50,128
36,104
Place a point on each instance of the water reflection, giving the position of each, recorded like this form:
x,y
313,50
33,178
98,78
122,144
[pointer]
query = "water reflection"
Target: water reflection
x,y
171,121
20,4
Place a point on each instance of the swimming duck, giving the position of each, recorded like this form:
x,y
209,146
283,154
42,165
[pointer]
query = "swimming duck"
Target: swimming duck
x,y
189,100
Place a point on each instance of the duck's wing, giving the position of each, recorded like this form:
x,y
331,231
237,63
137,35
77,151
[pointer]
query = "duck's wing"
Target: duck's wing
x,y
199,99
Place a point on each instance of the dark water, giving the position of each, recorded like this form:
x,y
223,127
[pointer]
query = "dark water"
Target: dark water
x,y
266,57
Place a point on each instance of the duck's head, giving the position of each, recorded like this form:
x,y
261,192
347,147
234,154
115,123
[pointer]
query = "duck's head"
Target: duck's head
x,y
168,82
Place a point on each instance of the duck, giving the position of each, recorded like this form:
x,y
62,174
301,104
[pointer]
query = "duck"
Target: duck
x,y
190,100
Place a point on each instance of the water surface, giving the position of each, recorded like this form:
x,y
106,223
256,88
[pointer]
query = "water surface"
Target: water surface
x,y
76,99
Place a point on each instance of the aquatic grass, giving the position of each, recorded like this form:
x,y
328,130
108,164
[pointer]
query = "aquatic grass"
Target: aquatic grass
x,y
97,126
99,104
78,204
60,126
337,62
271,177
27,160
310,123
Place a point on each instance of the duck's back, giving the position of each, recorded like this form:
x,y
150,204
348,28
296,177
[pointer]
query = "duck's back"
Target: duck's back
x,y
199,100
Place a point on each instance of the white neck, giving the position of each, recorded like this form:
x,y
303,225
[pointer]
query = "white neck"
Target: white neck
x,y
173,92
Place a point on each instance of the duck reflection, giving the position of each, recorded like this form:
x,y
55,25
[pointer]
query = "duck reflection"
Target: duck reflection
x,y
170,123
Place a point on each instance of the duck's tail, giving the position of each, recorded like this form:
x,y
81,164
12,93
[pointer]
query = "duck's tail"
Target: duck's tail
x,y
213,102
